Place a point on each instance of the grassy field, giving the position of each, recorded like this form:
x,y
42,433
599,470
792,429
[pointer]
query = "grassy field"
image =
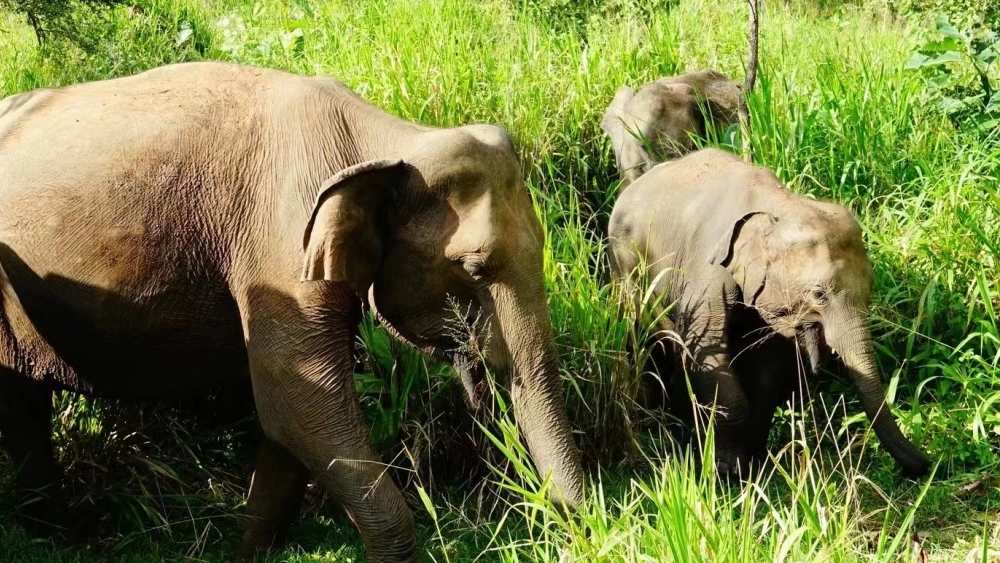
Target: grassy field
x,y
835,114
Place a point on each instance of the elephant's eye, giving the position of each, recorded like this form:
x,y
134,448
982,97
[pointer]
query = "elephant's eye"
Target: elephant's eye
x,y
819,296
473,265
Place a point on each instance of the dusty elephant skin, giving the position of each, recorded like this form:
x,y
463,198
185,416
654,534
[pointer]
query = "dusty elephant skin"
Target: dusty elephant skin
x,y
202,221
758,274
659,121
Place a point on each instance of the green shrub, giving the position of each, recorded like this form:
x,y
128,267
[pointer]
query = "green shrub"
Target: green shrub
x,y
962,73
69,20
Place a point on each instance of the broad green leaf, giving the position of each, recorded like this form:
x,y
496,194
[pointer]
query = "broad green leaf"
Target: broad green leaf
x,y
943,58
731,137
951,105
293,41
305,6
993,104
988,125
989,54
185,33
942,79
916,60
985,59
945,28
945,45
948,57
986,122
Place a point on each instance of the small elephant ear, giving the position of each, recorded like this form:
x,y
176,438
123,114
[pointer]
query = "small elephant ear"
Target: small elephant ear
x,y
614,122
344,237
743,251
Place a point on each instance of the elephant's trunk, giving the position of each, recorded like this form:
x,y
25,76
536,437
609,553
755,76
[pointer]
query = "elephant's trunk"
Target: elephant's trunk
x,y
848,335
520,343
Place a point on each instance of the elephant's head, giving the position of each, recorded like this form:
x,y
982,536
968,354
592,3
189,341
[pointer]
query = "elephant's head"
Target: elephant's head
x,y
659,121
805,271
444,239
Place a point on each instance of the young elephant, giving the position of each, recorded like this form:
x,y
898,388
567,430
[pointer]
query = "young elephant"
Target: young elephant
x,y
658,122
757,273
157,231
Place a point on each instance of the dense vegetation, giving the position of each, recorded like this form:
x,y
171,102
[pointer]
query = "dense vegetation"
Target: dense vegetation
x,y
837,114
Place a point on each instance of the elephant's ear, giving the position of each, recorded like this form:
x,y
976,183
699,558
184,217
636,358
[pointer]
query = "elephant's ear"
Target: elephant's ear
x,y
743,251
721,101
344,237
719,97
614,123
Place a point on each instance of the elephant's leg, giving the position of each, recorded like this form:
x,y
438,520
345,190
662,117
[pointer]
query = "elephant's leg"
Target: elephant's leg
x,y
325,429
26,431
302,371
702,322
766,365
276,491
657,373
768,372
717,387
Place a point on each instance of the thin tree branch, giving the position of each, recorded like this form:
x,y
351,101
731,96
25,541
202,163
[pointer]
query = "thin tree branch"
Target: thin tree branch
x,y
751,78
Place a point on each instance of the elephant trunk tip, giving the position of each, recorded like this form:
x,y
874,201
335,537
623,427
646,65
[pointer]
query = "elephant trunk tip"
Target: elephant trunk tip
x,y
913,462
566,500
910,458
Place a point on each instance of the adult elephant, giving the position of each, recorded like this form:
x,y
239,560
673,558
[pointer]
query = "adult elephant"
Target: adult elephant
x,y
662,119
157,232
755,274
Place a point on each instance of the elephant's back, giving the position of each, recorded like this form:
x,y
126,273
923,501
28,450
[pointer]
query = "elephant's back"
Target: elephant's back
x,y
136,157
706,180
108,125
671,213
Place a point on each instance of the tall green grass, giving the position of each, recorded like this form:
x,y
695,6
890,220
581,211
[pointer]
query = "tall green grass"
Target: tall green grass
x,y
835,115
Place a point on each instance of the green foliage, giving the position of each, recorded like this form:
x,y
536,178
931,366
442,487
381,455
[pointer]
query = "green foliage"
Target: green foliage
x,y
969,96
675,511
68,20
962,13
576,15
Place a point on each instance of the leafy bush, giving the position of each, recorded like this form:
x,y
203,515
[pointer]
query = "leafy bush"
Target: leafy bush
x,y
119,38
964,13
65,19
960,72
575,15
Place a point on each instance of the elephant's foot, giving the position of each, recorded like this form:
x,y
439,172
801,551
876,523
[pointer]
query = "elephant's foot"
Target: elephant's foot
x,y
26,428
732,461
276,492
251,545
46,516
732,468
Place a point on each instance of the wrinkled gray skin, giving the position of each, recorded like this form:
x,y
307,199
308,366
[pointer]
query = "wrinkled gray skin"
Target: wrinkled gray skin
x,y
200,222
761,277
660,120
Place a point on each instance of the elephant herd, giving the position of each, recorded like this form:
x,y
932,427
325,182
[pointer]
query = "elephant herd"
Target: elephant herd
x,y
204,222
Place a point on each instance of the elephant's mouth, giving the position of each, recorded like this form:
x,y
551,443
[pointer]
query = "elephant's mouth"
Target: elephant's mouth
x,y
809,338
472,374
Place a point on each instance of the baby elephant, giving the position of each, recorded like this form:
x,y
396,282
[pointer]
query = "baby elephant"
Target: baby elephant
x,y
658,121
756,273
